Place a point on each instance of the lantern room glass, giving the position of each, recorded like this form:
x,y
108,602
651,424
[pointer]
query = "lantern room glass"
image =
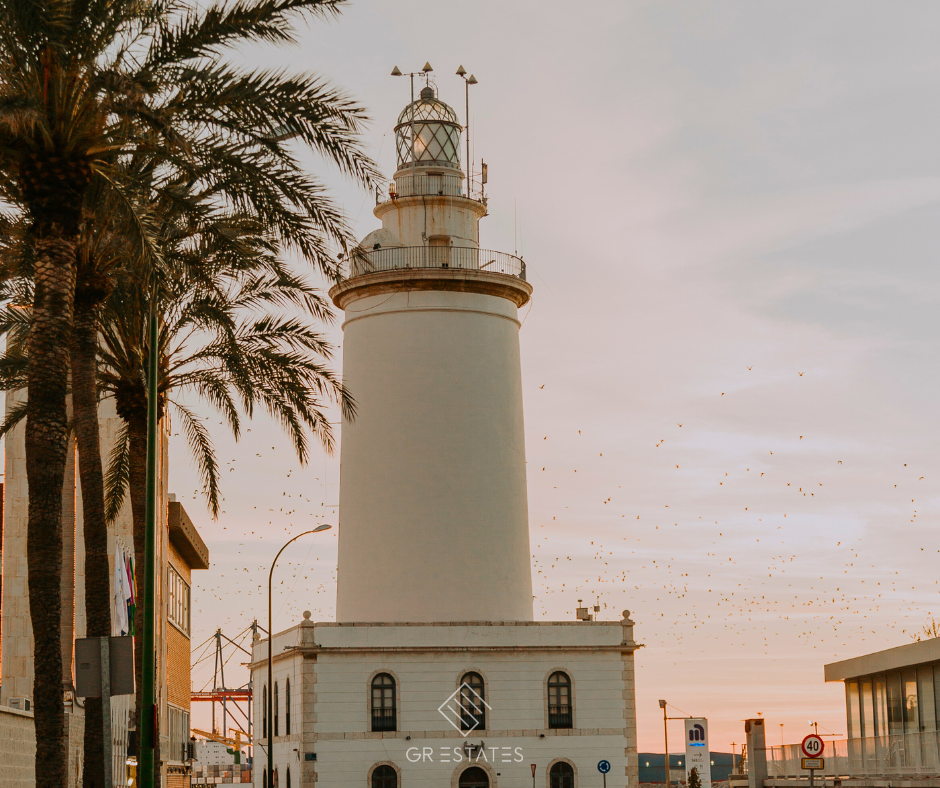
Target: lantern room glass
x,y
436,133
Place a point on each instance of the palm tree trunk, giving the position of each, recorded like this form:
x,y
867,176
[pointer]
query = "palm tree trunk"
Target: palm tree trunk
x,y
91,474
137,484
46,450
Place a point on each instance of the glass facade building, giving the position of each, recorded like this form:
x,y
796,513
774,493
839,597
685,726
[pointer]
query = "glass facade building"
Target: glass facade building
x,y
894,702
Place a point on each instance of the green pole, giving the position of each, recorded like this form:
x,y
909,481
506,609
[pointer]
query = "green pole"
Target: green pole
x,y
148,712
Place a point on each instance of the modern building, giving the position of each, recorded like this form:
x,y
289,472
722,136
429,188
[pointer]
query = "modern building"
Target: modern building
x,y
180,549
434,672
892,701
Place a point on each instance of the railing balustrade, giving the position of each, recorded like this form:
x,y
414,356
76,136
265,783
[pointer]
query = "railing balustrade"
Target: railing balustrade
x,y
902,754
383,719
394,258
559,716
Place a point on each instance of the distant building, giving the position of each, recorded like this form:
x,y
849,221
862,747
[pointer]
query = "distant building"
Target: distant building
x,y
214,753
652,771
180,549
434,672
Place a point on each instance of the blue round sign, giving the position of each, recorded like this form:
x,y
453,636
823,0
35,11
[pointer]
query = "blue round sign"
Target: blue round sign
x,y
603,766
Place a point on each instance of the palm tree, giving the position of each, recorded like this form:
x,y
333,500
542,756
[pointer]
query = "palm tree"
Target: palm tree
x,y
235,330
84,86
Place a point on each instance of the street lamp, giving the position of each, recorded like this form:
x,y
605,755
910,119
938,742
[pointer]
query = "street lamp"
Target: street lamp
x,y
662,705
270,727
468,81
148,734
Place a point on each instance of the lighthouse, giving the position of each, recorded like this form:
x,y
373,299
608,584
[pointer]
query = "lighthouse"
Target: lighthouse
x,y
434,671
433,509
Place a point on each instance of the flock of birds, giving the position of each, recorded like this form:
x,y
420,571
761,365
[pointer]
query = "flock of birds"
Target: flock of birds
x,y
763,554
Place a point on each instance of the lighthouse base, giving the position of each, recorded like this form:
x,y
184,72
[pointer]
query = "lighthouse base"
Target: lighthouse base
x,y
368,696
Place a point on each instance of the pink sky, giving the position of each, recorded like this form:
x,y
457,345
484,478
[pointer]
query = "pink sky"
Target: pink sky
x,y
728,213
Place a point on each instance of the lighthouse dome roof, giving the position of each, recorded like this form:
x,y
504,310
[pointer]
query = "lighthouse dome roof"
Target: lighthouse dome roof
x,y
428,108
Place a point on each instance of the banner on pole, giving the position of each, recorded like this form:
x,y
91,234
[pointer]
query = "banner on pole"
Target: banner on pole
x,y
697,755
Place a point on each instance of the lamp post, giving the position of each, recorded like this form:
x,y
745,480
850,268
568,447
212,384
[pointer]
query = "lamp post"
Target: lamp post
x,y
148,712
662,705
468,81
269,733
396,72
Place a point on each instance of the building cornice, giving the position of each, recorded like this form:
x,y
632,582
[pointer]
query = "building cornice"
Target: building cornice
x,y
414,200
312,652
402,280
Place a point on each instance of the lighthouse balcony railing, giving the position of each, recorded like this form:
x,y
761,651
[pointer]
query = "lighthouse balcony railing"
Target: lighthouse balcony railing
x,y
397,258
443,185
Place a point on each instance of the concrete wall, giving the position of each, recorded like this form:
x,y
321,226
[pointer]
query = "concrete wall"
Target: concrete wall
x,y
17,748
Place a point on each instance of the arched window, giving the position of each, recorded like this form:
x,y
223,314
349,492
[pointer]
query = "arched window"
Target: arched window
x,y
383,703
264,778
287,718
276,782
472,704
288,771
384,777
559,700
561,775
264,711
474,777
277,713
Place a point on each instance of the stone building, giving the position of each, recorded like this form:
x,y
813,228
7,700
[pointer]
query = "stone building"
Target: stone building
x,y
180,549
435,673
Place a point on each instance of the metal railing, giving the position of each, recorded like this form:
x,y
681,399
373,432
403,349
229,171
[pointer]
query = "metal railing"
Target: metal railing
x,y
559,716
444,185
383,719
394,258
910,754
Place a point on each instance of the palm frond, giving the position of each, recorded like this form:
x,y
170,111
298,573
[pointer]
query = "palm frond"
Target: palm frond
x,y
117,477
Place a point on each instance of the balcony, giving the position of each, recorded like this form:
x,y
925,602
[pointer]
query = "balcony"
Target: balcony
x,y
383,719
559,716
402,258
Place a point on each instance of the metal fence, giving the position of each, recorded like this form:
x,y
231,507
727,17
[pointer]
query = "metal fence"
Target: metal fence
x,y
908,754
453,257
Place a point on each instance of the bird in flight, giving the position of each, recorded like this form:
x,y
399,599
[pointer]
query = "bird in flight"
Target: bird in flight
x,y
800,374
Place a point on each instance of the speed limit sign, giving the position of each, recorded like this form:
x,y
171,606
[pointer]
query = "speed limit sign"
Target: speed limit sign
x,y
812,746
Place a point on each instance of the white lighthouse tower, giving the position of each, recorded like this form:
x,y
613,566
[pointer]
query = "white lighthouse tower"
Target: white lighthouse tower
x,y
434,673
433,511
